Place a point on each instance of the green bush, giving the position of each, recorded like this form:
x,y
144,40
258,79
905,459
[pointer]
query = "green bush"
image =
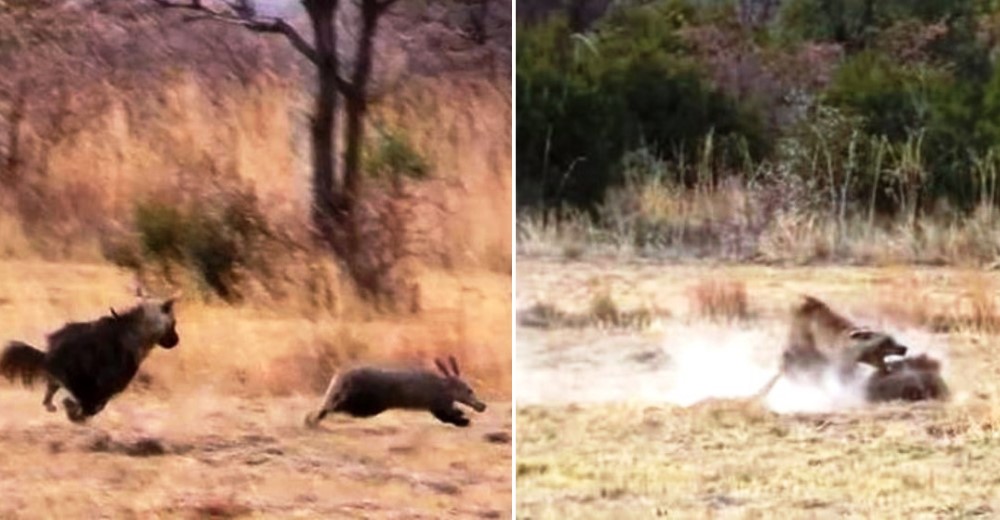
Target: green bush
x,y
217,240
392,154
905,122
162,230
584,100
900,102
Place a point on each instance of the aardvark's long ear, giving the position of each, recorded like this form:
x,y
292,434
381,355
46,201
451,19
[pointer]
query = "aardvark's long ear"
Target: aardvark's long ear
x,y
441,367
454,366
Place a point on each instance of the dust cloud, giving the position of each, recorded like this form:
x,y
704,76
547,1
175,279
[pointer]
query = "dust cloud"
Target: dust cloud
x,y
684,364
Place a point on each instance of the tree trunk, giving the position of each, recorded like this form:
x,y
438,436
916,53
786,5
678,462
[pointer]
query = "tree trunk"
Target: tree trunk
x,y
368,277
355,98
327,201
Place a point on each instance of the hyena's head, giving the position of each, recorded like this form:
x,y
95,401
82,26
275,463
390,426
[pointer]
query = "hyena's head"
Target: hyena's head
x,y
456,387
873,347
156,321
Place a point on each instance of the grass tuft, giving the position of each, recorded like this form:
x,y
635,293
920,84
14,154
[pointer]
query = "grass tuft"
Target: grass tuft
x,y
721,301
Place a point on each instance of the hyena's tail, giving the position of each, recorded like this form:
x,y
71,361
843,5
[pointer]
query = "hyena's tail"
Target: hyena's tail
x,y
21,360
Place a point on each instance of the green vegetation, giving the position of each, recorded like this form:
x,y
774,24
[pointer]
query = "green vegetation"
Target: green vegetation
x,y
853,110
390,154
216,240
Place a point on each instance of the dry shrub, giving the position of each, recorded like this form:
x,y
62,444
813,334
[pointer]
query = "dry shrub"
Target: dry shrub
x,y
603,309
567,234
720,300
603,312
797,238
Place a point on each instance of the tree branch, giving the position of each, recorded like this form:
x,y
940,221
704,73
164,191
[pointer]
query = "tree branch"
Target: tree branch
x,y
241,15
347,88
380,7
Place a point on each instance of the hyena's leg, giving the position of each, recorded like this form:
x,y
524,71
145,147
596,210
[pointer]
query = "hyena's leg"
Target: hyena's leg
x,y
79,412
50,391
73,411
450,415
763,392
93,408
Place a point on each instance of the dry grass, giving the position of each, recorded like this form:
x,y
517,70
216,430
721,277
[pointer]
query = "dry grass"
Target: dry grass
x,y
226,409
735,222
186,143
205,455
637,455
262,350
727,460
716,300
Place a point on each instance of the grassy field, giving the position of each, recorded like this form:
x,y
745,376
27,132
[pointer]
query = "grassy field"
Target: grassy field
x,y
214,428
630,397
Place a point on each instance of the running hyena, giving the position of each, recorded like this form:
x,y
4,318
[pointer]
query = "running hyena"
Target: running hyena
x,y
93,360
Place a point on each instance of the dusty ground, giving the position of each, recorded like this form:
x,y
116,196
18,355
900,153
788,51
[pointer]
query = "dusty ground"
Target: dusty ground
x,y
209,455
647,420
215,426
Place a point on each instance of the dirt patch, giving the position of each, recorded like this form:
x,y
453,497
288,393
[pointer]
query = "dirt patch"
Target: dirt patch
x,y
683,362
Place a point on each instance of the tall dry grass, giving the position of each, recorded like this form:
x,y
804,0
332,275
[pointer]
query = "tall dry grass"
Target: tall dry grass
x,y
184,144
719,300
741,222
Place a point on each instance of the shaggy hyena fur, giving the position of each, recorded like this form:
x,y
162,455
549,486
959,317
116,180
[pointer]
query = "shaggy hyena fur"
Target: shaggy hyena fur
x,y
93,360
366,392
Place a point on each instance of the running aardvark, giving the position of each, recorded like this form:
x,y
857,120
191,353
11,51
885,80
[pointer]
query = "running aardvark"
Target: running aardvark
x,y
368,391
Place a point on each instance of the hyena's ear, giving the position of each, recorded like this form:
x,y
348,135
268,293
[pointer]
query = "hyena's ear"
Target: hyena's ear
x,y
441,367
140,293
454,366
113,313
168,306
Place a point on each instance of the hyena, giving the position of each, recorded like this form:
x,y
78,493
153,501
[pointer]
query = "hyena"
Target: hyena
x,y
93,360
367,391
820,338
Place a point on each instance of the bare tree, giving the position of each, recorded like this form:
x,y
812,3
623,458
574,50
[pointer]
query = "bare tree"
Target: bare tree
x,y
335,204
